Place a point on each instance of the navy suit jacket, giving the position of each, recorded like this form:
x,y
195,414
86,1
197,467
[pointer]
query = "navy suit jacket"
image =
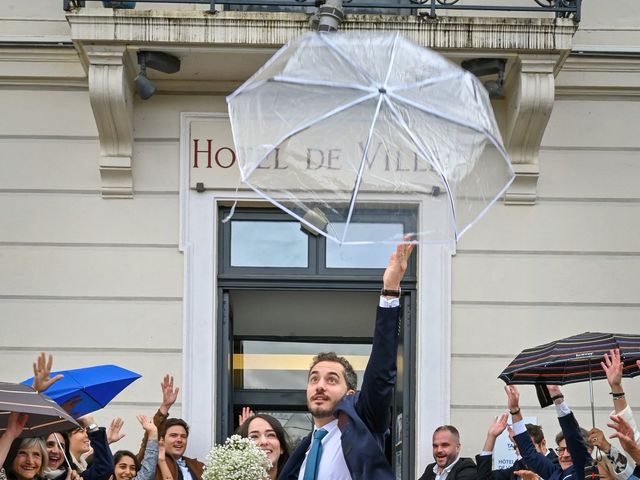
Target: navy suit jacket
x,y
485,471
364,418
547,468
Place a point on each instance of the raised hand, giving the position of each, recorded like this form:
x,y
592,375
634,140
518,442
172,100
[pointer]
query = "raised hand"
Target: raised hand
x,y
114,433
513,397
245,415
169,394
15,424
612,366
42,373
397,265
498,425
149,426
554,391
625,434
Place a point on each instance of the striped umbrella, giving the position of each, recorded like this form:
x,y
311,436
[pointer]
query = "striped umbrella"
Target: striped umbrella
x,y
45,415
572,360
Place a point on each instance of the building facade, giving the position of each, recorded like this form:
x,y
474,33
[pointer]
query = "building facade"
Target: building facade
x,y
112,253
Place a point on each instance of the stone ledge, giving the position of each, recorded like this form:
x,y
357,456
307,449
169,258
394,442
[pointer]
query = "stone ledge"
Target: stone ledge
x,y
269,29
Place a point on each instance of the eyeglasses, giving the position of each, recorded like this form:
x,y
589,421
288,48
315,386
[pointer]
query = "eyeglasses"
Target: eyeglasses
x,y
561,450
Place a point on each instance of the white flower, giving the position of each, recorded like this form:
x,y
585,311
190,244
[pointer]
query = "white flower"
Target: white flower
x,y
237,459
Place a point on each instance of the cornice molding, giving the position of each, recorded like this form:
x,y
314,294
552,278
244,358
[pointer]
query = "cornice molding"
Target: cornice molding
x,y
535,47
597,76
269,28
111,99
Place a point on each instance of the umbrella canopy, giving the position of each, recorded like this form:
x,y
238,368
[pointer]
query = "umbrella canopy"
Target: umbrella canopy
x,y
85,390
572,359
339,125
45,415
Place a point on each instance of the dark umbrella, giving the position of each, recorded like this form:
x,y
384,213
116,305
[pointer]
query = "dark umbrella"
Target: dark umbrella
x,y
45,415
85,390
572,360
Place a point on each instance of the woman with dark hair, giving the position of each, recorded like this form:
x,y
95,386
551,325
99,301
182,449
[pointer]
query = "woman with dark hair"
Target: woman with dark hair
x,y
125,463
269,434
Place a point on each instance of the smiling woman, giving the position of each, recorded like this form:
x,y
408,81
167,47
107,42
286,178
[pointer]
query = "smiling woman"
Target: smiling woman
x,y
26,460
268,434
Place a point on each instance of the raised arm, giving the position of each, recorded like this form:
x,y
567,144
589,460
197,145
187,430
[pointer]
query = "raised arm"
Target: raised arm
x,y
495,430
102,466
148,465
484,460
575,443
539,463
15,425
379,377
169,397
612,366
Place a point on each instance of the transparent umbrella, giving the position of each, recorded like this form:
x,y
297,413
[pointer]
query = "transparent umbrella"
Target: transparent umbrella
x,y
341,127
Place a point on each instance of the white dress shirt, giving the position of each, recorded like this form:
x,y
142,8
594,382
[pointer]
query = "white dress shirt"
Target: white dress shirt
x,y
332,463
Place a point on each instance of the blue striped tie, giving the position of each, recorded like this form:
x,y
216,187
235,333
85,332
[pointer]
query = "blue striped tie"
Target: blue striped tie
x,y
313,459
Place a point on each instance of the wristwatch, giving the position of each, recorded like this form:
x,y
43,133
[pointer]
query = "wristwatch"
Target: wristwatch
x,y
92,428
390,293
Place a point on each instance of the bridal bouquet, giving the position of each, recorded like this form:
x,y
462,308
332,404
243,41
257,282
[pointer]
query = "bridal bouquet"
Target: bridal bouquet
x,y
236,459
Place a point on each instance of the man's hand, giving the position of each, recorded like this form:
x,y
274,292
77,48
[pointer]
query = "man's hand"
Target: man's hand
x,y
495,429
624,433
596,439
149,426
245,415
498,425
397,265
114,433
612,366
513,397
42,373
513,402
554,391
169,394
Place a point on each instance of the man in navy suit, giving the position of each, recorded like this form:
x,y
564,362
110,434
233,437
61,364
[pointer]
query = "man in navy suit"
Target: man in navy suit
x,y
354,424
573,453
485,459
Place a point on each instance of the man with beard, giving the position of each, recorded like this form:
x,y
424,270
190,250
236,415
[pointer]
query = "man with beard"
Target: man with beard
x,y
446,453
350,427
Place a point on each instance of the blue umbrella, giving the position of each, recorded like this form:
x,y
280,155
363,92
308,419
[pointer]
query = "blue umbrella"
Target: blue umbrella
x,y
85,390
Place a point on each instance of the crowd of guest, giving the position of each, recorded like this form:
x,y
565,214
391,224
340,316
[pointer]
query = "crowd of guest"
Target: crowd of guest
x,y
85,453
580,454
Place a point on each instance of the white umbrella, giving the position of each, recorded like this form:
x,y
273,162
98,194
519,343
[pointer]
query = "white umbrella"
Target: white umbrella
x,y
342,124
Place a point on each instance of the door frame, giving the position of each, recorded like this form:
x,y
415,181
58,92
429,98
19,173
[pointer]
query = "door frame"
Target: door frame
x,y
198,242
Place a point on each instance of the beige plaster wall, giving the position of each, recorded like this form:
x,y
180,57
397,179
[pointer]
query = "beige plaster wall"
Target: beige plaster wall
x,y
100,281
